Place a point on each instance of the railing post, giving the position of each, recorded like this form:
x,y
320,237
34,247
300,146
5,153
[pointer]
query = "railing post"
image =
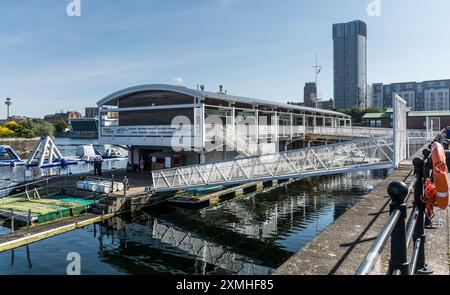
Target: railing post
x,y
12,220
398,191
112,184
427,168
419,231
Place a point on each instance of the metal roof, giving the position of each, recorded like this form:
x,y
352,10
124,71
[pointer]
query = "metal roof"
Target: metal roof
x,y
254,101
429,114
369,116
202,95
411,114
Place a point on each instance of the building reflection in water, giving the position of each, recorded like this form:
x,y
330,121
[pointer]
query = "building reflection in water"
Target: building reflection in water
x,y
251,235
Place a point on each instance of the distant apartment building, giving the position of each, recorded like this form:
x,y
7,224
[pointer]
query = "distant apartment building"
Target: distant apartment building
x,y
66,117
416,119
420,96
350,65
321,104
91,112
326,104
369,102
310,94
83,128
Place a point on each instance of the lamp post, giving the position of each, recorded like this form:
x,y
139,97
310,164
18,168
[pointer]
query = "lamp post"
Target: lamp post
x,y
8,103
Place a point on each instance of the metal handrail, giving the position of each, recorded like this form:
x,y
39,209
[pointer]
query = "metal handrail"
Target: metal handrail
x,y
369,261
402,234
363,154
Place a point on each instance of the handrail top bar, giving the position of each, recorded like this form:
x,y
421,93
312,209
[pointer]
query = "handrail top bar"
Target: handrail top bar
x,y
377,247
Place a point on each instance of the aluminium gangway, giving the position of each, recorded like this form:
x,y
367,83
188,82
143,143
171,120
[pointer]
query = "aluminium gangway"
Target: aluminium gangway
x,y
359,155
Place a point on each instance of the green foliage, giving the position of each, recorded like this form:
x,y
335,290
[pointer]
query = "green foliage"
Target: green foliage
x,y
26,129
358,114
5,132
61,126
45,128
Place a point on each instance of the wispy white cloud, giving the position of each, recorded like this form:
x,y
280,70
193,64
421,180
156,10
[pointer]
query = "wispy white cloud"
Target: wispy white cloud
x,y
179,81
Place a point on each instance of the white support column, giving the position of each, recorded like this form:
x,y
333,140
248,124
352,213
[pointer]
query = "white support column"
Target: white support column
x,y
100,127
234,127
203,125
257,126
277,122
292,126
304,126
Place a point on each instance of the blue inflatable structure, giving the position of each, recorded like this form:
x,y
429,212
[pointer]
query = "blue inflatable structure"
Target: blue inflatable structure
x,y
9,157
47,155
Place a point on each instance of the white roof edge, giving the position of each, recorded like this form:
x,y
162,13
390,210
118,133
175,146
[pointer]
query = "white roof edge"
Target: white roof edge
x,y
228,97
202,95
151,87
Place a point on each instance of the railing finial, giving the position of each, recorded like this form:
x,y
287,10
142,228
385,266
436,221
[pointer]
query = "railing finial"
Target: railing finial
x,y
398,191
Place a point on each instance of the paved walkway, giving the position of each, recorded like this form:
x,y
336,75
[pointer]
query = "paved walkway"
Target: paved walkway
x,y
343,245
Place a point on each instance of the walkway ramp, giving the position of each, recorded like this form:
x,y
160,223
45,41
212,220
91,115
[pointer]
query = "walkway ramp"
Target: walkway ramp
x,y
358,155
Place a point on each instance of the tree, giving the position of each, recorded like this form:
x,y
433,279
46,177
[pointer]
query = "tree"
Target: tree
x,y
358,114
26,129
61,126
6,132
12,125
45,129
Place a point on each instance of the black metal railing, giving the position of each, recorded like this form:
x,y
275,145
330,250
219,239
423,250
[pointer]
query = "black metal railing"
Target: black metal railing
x,y
403,230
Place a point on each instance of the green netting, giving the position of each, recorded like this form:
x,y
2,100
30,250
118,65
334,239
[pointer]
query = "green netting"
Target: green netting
x,y
48,209
73,200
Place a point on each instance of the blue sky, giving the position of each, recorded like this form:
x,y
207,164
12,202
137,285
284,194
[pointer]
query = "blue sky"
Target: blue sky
x,y
50,61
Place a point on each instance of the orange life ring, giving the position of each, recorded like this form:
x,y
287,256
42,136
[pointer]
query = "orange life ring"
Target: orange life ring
x,y
440,175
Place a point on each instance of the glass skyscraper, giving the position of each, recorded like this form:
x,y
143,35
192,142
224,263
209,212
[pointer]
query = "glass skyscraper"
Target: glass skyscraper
x,y
350,65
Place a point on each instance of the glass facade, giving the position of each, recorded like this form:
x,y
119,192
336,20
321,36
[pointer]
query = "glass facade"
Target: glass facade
x,y
424,96
350,64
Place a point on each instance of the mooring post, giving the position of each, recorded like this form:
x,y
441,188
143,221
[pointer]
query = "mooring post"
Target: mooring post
x,y
398,191
125,186
29,219
112,183
419,231
12,220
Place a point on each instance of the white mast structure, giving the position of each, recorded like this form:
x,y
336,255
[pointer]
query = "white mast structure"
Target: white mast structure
x,y
317,70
